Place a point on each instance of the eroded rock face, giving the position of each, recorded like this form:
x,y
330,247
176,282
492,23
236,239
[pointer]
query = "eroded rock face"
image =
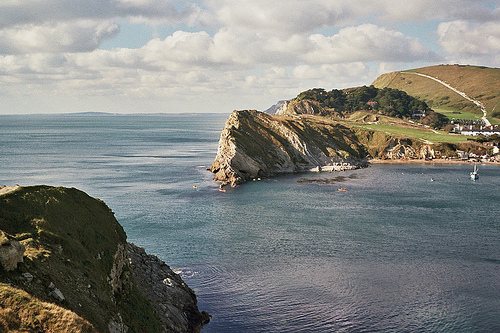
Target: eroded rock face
x,y
254,144
398,149
78,258
173,300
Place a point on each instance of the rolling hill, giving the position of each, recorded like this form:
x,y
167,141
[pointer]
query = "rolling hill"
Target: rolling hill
x,y
479,83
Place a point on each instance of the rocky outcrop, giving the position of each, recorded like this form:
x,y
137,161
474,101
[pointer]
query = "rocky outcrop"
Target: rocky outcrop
x,y
254,144
276,107
11,252
300,107
173,300
76,257
405,149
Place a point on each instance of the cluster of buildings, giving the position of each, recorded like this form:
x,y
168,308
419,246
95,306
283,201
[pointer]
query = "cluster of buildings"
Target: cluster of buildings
x,y
480,158
473,127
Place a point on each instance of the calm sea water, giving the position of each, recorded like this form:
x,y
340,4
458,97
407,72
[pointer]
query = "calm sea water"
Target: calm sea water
x,y
394,253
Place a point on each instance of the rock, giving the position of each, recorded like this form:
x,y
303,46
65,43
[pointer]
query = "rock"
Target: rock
x,y
11,252
120,260
174,301
276,107
82,249
117,325
57,294
27,276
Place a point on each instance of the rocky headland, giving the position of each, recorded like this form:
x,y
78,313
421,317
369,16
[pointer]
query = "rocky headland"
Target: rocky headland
x,y
255,144
66,267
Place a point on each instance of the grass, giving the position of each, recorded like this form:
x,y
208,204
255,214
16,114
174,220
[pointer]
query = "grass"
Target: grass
x,y
21,312
458,114
480,83
426,135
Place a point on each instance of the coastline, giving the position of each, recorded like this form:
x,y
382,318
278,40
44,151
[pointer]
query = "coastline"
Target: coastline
x,y
431,162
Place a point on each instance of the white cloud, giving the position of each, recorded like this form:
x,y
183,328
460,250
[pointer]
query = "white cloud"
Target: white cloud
x,y
191,63
284,17
463,38
41,11
239,51
471,43
366,42
429,10
79,36
328,72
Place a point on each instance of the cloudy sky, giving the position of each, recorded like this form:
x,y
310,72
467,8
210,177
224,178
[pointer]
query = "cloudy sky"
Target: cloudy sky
x,y
142,56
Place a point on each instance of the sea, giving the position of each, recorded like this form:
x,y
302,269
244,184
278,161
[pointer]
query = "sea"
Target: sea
x,y
394,252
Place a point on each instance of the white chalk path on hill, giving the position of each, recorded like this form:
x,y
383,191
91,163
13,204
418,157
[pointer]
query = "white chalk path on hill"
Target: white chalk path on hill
x,y
461,93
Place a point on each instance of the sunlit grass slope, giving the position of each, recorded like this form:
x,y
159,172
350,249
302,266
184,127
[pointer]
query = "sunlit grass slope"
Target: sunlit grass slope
x,y
480,83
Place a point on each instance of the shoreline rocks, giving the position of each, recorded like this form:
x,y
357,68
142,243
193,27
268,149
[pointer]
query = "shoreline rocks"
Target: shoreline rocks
x,y
165,290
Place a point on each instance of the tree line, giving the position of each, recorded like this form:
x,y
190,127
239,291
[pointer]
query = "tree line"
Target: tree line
x,y
386,101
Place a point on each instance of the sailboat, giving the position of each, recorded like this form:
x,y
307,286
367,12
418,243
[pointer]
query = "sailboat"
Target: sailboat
x,y
474,174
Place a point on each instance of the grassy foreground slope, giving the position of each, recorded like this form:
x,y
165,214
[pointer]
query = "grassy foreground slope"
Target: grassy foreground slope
x,y
71,241
480,83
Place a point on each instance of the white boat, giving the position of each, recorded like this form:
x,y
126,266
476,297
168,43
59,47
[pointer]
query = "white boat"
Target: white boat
x,y
474,174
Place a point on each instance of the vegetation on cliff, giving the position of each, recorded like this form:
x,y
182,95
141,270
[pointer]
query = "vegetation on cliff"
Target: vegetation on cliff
x,y
76,269
387,101
342,103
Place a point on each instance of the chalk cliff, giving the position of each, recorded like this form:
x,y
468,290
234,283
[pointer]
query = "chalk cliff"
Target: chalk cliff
x,y
67,267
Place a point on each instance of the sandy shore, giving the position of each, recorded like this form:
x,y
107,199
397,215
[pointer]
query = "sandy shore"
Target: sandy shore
x,y
432,162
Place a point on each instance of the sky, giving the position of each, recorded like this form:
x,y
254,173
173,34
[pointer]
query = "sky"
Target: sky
x,y
168,56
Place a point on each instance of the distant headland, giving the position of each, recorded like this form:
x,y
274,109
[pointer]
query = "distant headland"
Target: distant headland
x,y
401,117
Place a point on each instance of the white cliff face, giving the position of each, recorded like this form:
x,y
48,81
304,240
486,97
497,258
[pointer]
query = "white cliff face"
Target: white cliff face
x,y
402,149
282,110
294,107
254,144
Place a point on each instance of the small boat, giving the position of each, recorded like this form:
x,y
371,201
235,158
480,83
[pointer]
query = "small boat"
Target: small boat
x,y
342,189
222,190
474,174
433,179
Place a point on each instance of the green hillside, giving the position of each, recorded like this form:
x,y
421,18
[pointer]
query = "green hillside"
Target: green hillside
x,y
480,83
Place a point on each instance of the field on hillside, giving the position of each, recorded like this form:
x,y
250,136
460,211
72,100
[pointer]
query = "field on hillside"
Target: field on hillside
x,y
480,83
368,120
462,114
424,134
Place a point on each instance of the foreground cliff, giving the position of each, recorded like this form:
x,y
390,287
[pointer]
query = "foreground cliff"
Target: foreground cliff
x,y
66,267
254,144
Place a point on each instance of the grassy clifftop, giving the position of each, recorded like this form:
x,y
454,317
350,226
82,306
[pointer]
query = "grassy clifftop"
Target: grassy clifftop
x,y
71,242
